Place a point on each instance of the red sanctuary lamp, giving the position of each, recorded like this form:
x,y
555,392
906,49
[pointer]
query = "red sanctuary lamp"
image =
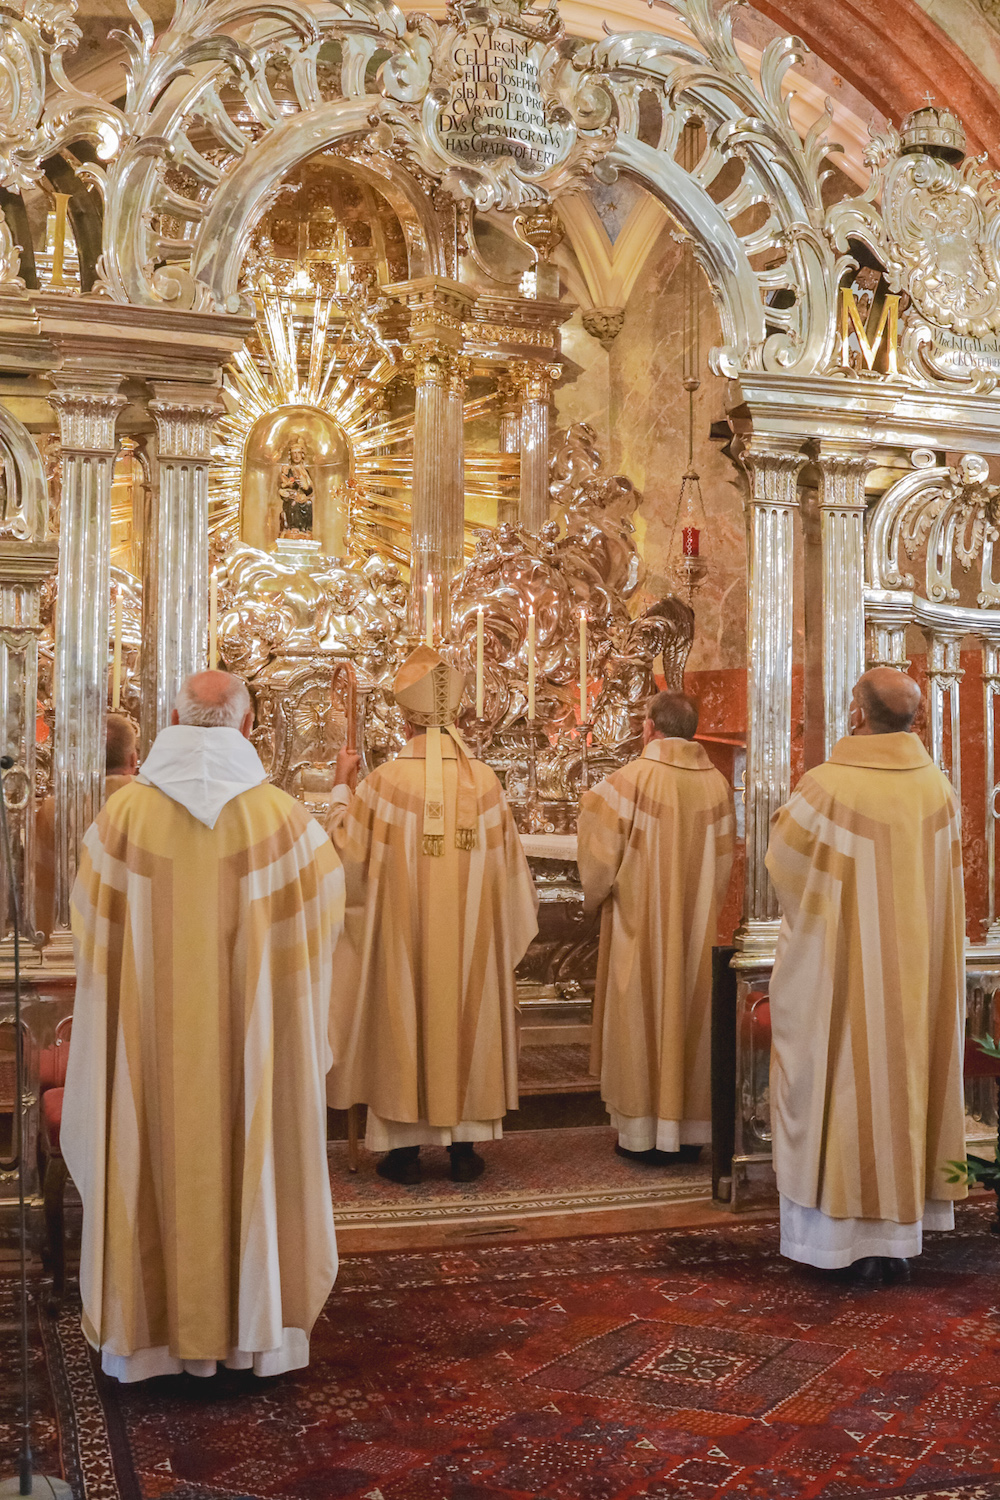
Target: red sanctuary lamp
x,y
692,567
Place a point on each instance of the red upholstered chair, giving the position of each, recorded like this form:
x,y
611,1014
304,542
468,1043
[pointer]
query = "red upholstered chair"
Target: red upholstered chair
x,y
52,1168
757,1019
979,1064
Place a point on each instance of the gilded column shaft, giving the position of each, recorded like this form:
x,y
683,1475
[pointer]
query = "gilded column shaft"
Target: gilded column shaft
x,y
534,431
769,673
176,571
453,458
510,441
88,408
438,516
842,537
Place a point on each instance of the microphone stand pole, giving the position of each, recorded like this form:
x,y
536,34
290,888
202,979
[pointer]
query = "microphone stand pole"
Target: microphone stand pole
x,y
26,1481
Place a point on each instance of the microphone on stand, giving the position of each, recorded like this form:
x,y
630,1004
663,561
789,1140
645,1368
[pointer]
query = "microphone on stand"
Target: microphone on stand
x,y
26,1481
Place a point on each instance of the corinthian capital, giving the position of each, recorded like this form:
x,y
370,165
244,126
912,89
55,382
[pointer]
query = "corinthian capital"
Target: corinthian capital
x,y
774,471
88,407
185,417
435,363
844,475
534,381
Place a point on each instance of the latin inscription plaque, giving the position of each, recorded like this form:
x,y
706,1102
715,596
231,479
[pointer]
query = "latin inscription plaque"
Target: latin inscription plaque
x,y
496,111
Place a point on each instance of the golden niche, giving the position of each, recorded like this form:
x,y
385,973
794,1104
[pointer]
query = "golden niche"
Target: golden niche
x,y
296,468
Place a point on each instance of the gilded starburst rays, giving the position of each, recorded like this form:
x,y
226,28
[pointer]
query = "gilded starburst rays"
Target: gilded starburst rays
x,y
329,355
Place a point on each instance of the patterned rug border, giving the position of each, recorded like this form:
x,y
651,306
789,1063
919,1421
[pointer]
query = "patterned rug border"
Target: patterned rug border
x,y
535,1205
87,1430
985,1487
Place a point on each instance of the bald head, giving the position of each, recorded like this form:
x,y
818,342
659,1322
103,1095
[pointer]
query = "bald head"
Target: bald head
x,y
887,701
214,700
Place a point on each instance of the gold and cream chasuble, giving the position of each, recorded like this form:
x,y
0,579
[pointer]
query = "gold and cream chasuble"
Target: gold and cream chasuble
x,y
195,1113
655,846
867,1003
423,1021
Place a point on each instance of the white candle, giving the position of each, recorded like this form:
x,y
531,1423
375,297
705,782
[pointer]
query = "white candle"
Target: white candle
x,y
213,622
116,660
531,663
480,643
583,666
429,610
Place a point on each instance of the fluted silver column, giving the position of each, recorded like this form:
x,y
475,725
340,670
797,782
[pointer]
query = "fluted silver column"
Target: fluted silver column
x,y
773,504
842,538
175,572
24,567
438,518
88,407
991,691
536,402
944,676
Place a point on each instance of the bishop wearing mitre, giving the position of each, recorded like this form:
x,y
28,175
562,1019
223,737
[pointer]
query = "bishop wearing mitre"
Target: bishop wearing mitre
x,y
441,908
655,848
868,995
205,914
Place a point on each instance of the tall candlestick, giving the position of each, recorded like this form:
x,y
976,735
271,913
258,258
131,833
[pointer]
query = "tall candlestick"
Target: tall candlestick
x,y
213,621
583,666
429,610
59,240
531,663
116,660
480,644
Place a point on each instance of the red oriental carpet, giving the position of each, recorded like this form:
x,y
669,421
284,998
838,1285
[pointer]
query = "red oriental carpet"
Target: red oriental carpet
x,y
686,1364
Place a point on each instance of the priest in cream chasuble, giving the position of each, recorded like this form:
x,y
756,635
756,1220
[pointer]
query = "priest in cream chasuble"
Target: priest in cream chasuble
x,y
655,849
205,914
441,909
868,994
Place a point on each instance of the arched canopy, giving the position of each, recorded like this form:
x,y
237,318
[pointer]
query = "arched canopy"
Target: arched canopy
x,y
224,117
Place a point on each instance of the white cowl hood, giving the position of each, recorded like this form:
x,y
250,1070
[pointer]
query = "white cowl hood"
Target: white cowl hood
x,y
202,769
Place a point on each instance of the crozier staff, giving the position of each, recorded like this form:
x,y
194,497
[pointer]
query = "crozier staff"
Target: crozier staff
x,y
441,909
655,848
205,913
868,994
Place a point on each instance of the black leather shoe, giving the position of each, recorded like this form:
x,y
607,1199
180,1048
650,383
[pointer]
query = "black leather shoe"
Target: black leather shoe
x,y
402,1166
651,1158
868,1272
466,1164
895,1268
